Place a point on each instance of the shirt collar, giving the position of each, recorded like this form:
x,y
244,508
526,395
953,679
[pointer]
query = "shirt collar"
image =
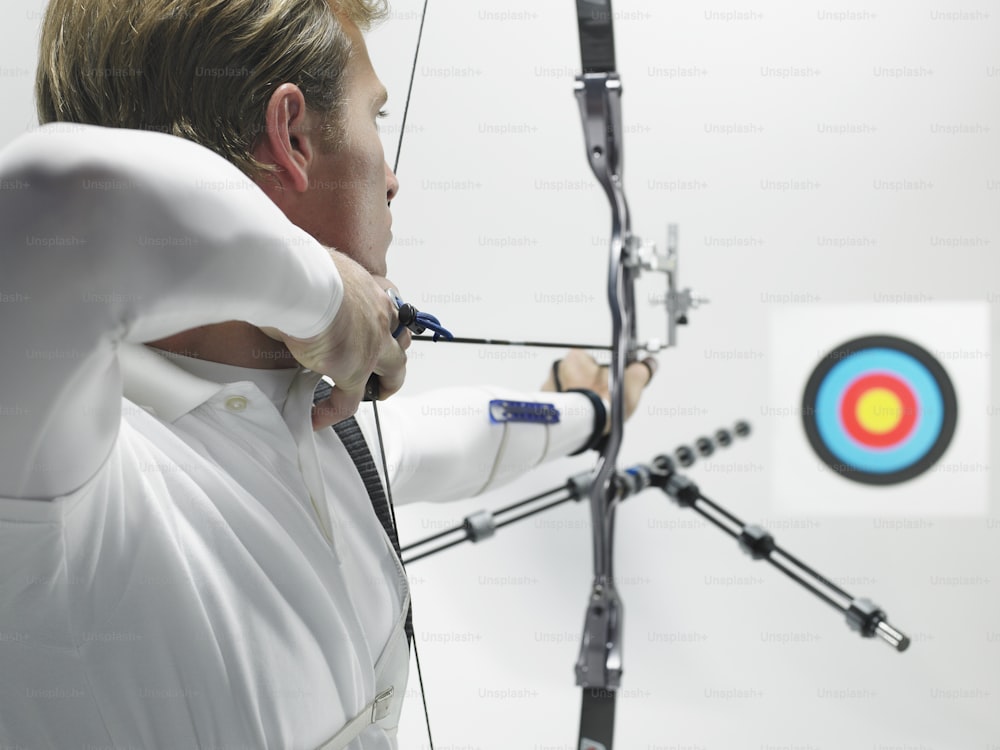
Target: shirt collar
x,y
170,386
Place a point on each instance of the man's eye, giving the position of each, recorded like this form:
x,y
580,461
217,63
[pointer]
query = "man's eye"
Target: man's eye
x,y
383,113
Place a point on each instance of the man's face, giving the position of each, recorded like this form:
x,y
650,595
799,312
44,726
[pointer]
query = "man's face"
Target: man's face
x,y
346,206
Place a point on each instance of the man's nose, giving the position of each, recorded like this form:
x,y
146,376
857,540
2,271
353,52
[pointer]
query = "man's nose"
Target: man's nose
x,y
391,184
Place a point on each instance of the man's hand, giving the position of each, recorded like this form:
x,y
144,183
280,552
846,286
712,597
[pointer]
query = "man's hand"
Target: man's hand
x,y
358,343
579,370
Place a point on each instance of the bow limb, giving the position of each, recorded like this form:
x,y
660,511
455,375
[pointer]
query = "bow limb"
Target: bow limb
x,y
599,96
598,91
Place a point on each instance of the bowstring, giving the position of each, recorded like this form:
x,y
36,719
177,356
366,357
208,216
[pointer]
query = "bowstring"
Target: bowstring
x,y
409,88
378,422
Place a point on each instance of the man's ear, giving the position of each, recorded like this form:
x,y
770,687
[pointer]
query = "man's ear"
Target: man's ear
x,y
288,141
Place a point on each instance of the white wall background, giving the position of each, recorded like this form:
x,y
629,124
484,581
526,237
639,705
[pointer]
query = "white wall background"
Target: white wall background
x,y
501,232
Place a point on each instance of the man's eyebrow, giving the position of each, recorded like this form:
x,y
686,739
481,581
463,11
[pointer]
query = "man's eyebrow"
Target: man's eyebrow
x,y
381,97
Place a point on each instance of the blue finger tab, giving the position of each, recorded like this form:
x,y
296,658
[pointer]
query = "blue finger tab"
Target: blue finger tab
x,y
522,411
418,322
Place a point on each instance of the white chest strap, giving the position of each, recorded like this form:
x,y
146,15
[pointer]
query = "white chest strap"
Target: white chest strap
x,y
385,707
377,709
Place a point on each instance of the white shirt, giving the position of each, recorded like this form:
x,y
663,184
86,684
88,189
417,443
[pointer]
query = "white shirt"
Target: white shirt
x,y
197,569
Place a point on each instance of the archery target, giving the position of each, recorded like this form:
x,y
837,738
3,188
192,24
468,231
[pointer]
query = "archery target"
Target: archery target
x,y
879,410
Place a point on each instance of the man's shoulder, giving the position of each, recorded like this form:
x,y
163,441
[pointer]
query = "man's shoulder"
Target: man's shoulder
x,y
134,170
62,148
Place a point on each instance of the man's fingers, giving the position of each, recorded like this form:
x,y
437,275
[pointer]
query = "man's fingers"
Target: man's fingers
x,y
579,370
404,340
337,407
391,381
646,367
391,366
638,375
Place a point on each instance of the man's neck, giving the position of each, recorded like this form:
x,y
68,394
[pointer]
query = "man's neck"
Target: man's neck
x,y
232,343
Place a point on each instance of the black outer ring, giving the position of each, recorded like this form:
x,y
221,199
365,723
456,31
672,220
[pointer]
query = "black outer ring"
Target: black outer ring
x,y
947,390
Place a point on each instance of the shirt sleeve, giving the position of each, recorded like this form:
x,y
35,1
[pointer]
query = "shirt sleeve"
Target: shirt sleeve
x,y
110,235
442,445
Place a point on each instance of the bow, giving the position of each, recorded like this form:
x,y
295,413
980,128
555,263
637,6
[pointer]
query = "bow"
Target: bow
x,y
599,666
598,92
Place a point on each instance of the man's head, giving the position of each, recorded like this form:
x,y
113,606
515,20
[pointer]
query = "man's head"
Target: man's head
x,y
226,74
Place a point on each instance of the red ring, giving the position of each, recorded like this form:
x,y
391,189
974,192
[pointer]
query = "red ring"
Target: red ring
x,y
849,404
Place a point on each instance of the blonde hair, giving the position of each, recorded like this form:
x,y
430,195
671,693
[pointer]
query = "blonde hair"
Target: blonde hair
x,y
199,69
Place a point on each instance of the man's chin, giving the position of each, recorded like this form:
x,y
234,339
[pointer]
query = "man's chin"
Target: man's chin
x,y
381,271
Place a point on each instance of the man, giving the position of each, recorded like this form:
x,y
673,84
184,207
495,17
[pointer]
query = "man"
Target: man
x,y
190,558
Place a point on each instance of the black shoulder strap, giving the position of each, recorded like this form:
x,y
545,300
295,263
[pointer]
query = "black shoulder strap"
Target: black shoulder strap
x,y
354,441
